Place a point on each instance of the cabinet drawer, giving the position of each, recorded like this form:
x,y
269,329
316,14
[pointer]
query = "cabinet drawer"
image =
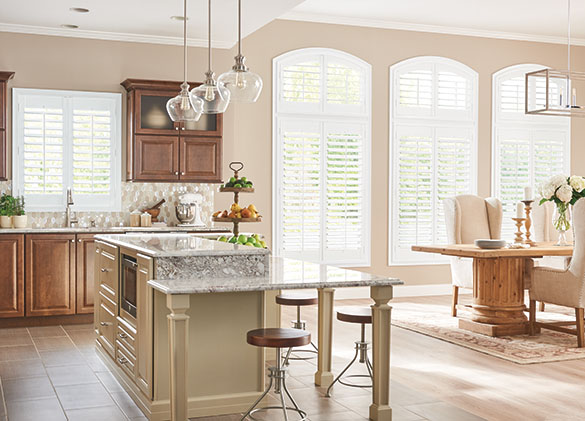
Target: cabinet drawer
x,y
106,324
108,271
126,335
125,360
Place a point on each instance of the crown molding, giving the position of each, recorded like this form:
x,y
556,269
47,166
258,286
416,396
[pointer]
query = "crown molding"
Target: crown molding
x,y
437,29
110,36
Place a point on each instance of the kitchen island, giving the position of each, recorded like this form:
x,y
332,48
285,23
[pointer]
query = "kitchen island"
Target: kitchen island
x,y
195,301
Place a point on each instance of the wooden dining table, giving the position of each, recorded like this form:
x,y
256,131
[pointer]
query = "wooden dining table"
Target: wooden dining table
x,y
498,307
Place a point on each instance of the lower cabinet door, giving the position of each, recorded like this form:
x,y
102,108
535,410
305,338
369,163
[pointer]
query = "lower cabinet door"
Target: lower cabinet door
x,y
50,274
86,260
106,323
11,275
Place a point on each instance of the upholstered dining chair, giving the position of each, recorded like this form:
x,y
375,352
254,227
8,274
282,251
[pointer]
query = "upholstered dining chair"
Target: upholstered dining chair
x,y
469,218
563,287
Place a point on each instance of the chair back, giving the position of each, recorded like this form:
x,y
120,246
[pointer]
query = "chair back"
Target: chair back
x,y
469,218
577,267
542,226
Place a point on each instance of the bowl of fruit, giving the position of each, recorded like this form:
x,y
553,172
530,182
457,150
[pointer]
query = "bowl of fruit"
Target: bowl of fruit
x,y
236,184
253,240
238,214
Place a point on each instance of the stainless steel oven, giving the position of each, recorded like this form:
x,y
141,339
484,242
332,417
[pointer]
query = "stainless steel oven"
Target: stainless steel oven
x,y
128,285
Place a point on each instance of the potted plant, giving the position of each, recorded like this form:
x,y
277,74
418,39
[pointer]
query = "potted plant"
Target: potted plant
x,y
6,206
19,218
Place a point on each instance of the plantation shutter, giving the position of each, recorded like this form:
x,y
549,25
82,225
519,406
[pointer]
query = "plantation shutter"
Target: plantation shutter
x,y
67,139
528,149
433,152
322,157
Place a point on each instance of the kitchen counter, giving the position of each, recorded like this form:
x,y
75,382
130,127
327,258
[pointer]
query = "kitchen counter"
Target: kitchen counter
x,y
89,230
282,274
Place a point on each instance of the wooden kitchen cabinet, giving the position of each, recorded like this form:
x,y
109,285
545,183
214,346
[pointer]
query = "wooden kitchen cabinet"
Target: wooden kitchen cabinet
x,y
4,78
85,280
153,139
50,274
11,275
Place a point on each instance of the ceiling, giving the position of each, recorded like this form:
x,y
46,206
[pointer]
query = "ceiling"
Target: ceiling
x,y
140,20
543,20
149,20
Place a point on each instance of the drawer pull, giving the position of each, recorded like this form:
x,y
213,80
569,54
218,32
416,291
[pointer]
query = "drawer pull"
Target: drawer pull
x,y
105,323
122,335
122,360
105,270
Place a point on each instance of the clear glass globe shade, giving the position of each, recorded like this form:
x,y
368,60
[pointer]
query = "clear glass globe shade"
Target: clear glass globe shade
x,y
215,98
180,108
244,86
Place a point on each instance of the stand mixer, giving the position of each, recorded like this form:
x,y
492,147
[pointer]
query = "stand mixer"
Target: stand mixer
x,y
188,210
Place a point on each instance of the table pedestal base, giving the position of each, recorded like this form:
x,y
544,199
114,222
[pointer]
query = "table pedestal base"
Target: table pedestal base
x,y
494,330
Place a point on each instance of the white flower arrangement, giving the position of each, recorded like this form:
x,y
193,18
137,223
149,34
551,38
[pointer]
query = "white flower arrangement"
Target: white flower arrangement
x,y
562,190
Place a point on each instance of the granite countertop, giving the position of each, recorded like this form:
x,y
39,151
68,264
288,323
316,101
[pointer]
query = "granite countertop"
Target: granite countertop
x,y
90,230
283,274
178,245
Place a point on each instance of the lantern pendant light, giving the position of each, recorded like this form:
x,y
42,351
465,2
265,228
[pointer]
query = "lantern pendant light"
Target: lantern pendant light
x,y
215,96
244,86
182,108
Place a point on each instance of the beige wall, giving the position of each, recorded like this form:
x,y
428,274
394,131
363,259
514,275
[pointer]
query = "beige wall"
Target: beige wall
x,y
62,63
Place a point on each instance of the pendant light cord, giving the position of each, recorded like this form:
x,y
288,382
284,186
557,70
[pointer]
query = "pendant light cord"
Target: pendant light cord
x,y
239,27
569,36
209,36
185,41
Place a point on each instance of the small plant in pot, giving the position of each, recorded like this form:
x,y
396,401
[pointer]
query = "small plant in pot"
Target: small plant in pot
x,y
19,218
6,210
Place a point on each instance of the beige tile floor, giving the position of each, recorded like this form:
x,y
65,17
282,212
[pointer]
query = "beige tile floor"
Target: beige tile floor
x,y
52,373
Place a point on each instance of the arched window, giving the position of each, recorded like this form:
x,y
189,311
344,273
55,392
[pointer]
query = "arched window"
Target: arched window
x,y
527,149
433,138
322,126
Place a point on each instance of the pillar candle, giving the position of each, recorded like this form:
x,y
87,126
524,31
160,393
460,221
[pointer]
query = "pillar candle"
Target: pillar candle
x,y
519,210
528,193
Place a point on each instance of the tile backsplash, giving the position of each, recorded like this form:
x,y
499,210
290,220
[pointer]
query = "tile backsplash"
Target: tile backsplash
x,y
134,196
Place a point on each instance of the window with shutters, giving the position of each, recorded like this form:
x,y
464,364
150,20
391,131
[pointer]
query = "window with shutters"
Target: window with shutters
x,y
527,149
67,139
321,189
433,153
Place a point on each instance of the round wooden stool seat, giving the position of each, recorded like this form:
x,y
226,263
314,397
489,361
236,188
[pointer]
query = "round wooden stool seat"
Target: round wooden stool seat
x,y
361,315
278,337
298,299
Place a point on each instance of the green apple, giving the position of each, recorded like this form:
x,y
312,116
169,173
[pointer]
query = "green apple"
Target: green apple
x,y
242,239
223,238
233,240
249,244
251,240
233,180
258,245
244,180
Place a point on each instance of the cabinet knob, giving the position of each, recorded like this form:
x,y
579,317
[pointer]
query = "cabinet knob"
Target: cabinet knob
x,y
176,128
104,270
182,172
105,324
97,250
122,360
176,172
79,240
73,241
182,128
122,335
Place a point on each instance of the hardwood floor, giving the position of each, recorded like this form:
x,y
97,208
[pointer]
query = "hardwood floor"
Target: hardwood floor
x,y
51,373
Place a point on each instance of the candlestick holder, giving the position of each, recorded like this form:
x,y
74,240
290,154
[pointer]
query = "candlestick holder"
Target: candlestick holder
x,y
528,222
519,234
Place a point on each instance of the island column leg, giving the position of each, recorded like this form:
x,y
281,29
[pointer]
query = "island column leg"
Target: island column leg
x,y
178,355
324,376
380,409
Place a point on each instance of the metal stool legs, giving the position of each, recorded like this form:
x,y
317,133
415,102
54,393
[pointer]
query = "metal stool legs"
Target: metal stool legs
x,y
361,350
277,376
300,324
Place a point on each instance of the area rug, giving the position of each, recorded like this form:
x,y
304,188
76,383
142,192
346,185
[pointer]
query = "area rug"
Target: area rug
x,y
436,321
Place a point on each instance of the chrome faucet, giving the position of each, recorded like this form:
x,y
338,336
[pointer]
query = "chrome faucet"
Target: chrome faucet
x,y
69,218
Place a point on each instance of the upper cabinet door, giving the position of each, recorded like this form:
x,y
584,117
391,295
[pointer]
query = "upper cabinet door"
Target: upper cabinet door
x,y
200,159
207,125
156,158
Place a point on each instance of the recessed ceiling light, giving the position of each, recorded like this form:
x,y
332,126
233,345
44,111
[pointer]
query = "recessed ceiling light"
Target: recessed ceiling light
x,y
69,26
79,9
181,18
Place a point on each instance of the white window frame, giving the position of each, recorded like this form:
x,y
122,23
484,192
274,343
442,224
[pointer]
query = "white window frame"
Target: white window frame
x,y
56,203
502,122
427,121
323,114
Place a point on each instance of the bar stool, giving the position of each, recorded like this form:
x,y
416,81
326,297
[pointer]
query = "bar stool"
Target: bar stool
x,y
299,300
277,338
363,316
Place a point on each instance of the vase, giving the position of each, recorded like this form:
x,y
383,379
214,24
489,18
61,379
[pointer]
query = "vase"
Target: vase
x,y
562,223
19,221
6,221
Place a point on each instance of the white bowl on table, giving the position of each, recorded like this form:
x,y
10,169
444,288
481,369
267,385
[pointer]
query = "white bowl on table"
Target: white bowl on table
x,y
490,244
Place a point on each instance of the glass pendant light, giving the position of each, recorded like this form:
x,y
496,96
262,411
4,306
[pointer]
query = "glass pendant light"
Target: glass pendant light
x,y
215,95
181,107
244,86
